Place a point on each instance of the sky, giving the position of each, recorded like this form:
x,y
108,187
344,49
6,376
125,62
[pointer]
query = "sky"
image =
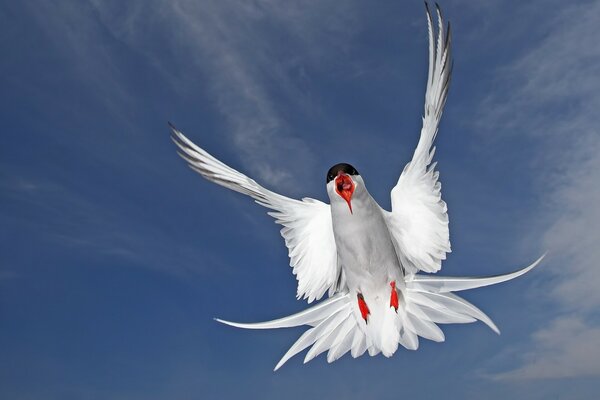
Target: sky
x,y
115,257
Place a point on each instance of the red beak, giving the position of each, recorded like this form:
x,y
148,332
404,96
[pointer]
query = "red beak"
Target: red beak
x,y
345,188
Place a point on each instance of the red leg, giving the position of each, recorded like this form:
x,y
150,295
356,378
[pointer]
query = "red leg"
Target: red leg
x,y
394,296
362,305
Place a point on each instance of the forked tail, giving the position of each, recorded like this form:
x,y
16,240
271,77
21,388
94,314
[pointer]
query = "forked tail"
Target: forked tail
x,y
336,325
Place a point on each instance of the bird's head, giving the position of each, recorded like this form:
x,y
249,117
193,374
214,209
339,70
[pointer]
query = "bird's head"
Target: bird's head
x,y
342,180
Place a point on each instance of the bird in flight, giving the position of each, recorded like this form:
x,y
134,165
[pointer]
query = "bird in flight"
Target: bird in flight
x,y
365,258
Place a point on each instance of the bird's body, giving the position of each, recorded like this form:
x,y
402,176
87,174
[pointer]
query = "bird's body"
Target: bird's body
x,y
370,266
367,259
364,243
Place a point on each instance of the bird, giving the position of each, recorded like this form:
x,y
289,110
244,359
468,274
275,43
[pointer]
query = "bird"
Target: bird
x,y
377,267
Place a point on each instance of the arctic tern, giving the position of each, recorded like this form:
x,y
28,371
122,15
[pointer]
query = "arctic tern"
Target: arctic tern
x,y
365,258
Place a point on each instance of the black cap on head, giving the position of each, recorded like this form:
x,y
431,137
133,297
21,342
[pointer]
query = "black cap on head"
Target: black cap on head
x,y
341,167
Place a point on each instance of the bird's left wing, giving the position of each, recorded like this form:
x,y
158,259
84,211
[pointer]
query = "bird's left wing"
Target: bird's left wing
x,y
307,227
419,220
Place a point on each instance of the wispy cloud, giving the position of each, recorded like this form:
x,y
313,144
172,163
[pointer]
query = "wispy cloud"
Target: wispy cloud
x,y
255,81
260,84
552,94
76,222
75,37
568,348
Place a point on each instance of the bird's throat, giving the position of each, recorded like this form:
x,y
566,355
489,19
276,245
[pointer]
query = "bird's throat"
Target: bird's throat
x,y
345,188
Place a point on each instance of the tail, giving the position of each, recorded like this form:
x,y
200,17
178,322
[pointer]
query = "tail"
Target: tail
x,y
336,325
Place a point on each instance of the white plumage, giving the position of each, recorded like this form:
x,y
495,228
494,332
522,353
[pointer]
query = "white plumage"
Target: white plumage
x,y
306,224
419,218
367,259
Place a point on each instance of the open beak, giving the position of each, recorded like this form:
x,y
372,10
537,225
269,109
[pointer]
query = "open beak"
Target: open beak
x,y
344,186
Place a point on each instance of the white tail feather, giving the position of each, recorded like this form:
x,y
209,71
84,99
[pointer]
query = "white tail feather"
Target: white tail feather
x,y
329,334
337,327
442,284
310,316
359,344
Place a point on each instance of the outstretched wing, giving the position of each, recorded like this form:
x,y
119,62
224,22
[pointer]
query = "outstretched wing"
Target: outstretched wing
x,y
419,220
307,228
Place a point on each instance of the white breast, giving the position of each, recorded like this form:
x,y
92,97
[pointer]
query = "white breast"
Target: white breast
x,y
363,242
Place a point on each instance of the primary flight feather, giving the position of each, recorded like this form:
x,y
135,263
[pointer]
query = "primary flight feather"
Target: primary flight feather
x,y
365,258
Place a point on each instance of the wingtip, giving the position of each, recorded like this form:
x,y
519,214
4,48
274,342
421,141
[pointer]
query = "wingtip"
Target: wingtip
x,y
174,132
177,137
428,12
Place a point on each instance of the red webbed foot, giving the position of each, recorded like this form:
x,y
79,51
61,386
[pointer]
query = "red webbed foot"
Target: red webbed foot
x,y
394,296
362,306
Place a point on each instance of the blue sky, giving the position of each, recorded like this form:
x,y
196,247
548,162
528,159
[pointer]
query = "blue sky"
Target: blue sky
x,y
115,257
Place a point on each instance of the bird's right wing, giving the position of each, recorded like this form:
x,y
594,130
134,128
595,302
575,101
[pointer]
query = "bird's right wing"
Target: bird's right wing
x,y
307,227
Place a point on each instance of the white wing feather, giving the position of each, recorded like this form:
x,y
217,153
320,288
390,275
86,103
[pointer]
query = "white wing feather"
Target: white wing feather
x,y
307,228
419,220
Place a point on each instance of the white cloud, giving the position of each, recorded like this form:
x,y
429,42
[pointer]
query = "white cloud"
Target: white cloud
x,y
568,348
251,59
553,94
75,38
253,77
